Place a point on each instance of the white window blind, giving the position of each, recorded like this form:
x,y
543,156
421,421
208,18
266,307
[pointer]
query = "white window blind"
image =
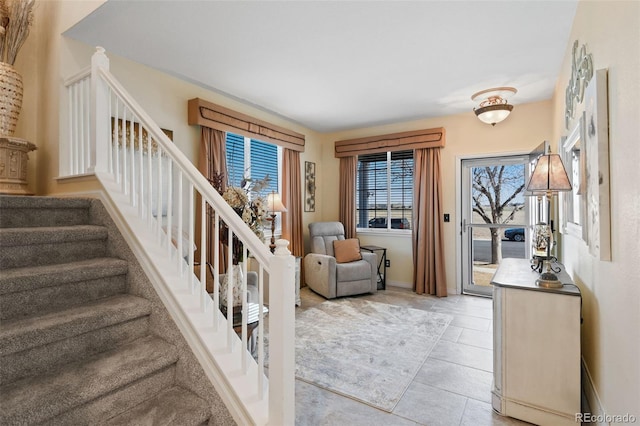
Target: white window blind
x,y
384,190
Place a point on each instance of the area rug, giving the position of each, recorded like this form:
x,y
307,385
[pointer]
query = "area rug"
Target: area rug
x,y
365,350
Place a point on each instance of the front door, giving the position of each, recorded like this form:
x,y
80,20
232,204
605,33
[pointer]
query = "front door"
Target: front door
x,y
495,217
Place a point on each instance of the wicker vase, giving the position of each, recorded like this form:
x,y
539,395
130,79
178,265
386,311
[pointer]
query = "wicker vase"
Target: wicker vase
x,y
10,99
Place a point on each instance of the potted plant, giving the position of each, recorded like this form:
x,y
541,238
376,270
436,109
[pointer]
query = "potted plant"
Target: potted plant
x,y
16,17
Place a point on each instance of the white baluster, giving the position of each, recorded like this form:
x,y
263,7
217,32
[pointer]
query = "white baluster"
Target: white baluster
x,y
140,186
149,183
88,147
73,162
170,208
132,161
260,336
191,238
229,294
179,259
203,252
160,200
81,122
116,143
245,310
124,169
216,270
110,140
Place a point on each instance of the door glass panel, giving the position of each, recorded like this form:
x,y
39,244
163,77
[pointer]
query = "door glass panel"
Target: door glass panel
x,y
495,218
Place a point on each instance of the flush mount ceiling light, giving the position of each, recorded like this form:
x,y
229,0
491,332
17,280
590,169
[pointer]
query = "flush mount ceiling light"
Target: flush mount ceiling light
x,y
493,106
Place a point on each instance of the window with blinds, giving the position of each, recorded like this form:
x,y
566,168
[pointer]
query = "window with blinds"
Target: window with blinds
x,y
384,190
253,159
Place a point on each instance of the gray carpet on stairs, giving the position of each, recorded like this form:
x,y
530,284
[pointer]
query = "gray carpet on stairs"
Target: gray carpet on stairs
x,y
84,338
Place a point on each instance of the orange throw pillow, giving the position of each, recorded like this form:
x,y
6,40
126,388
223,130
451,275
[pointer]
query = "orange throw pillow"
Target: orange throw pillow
x,y
347,250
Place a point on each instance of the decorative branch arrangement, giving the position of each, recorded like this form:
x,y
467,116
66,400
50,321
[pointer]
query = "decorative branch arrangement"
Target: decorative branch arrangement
x,y
16,17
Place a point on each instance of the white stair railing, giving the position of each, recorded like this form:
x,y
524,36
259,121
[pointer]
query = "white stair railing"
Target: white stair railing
x,y
155,188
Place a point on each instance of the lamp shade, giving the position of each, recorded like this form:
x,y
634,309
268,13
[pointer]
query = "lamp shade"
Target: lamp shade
x,y
549,175
274,203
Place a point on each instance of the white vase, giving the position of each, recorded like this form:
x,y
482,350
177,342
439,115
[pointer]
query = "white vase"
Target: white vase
x,y
236,285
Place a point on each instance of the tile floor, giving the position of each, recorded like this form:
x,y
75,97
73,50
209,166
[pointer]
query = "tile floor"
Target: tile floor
x,y
452,388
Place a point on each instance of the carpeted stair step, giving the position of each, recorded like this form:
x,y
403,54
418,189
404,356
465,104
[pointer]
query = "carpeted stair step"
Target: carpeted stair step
x,y
21,247
36,344
18,212
47,288
173,407
92,390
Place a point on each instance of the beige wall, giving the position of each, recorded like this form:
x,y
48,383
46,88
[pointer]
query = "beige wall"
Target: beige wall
x,y
611,293
611,290
47,59
41,61
523,130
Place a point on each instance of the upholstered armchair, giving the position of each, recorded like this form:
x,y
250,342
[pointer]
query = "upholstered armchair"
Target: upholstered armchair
x,y
331,278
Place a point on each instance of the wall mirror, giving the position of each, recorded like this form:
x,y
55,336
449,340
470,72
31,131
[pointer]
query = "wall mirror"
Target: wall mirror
x,y
573,203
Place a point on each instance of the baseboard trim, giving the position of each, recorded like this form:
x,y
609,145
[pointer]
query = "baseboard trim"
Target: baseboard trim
x,y
400,284
595,409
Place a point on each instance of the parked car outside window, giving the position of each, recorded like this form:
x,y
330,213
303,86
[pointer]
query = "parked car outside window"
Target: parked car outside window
x,y
396,223
514,234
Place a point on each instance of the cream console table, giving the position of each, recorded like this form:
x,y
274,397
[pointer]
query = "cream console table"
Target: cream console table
x,y
536,346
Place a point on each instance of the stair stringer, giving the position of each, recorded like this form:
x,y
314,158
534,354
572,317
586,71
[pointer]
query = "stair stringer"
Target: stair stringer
x,y
211,360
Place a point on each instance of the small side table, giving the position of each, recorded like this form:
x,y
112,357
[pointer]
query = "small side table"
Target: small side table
x,y
382,264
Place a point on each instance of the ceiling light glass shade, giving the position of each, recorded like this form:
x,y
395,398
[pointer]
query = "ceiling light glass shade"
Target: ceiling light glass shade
x,y
492,104
493,114
549,175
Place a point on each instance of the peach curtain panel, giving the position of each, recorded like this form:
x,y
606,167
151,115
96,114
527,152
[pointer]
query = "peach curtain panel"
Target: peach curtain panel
x,y
428,245
292,200
212,160
348,166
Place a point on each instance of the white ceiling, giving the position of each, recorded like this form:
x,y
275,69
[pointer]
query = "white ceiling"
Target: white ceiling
x,y
335,65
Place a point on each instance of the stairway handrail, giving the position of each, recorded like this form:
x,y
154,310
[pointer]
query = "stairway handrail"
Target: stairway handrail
x,y
253,243
273,401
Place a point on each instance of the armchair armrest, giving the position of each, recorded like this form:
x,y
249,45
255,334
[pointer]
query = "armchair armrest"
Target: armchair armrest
x,y
320,274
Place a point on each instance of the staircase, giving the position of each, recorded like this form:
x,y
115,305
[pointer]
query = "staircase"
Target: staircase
x,y
76,347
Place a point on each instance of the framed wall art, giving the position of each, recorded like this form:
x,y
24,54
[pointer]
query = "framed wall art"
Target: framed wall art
x,y
309,186
596,129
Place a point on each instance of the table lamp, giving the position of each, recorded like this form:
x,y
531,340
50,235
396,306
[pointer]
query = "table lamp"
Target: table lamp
x,y
274,205
548,177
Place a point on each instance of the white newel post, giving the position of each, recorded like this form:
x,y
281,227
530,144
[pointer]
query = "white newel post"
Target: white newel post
x,y
100,120
282,337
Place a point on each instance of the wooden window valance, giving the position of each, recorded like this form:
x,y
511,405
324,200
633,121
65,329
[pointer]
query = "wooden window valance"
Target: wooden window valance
x,y
415,139
208,114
